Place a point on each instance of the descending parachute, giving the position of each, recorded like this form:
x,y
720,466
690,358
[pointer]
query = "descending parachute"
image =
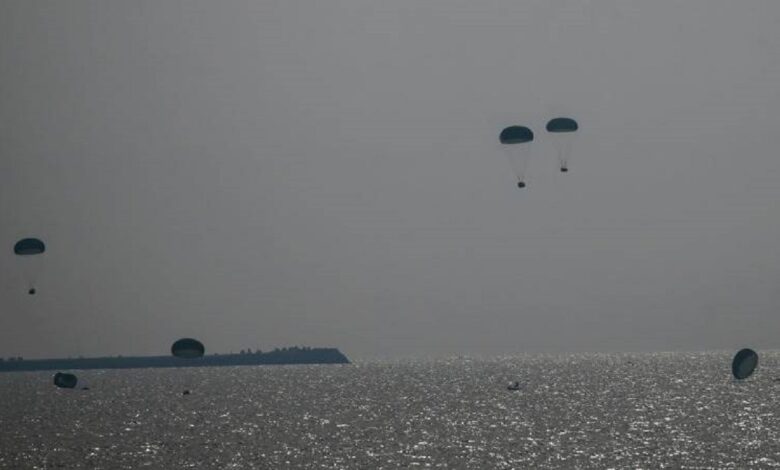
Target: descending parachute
x,y
516,141
63,380
563,130
30,247
744,363
188,348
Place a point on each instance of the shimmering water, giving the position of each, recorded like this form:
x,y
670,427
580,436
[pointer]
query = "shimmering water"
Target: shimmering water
x,y
579,411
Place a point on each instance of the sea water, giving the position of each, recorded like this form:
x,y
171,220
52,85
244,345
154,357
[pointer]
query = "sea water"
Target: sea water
x,y
670,410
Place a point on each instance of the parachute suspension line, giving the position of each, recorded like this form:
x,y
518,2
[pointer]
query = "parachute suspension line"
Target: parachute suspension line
x,y
31,271
563,148
518,161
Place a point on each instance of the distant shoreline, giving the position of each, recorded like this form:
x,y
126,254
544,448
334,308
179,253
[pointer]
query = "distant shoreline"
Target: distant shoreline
x,y
284,356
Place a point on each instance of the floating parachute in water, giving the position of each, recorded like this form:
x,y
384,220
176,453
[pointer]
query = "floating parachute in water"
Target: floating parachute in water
x,y
744,363
563,130
63,380
516,141
188,348
30,247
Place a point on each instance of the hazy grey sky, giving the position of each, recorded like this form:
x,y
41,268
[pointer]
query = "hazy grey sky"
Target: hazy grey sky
x,y
268,173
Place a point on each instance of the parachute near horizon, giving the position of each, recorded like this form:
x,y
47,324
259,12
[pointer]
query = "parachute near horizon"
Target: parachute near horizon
x,y
188,348
516,143
744,363
563,131
30,248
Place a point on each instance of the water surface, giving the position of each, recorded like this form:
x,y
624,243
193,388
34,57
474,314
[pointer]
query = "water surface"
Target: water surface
x,y
670,410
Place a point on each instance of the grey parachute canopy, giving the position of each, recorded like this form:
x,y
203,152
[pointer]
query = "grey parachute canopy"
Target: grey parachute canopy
x,y
29,246
516,142
64,380
188,348
744,363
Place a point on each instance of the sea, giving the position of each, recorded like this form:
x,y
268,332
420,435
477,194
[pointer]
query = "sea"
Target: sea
x,y
637,411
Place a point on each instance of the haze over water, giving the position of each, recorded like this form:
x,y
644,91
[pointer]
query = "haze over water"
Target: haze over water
x,y
266,173
672,410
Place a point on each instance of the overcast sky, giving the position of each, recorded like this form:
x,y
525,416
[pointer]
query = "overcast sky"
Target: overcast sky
x,y
326,173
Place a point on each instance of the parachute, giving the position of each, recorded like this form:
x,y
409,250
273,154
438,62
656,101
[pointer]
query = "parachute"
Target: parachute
x,y
188,348
744,363
516,142
63,380
563,130
30,247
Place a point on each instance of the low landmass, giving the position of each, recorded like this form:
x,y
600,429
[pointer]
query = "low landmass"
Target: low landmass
x,y
293,355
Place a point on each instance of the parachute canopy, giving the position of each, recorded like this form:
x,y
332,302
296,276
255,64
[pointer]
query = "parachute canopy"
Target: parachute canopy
x,y
29,246
562,124
63,380
188,348
516,135
744,363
